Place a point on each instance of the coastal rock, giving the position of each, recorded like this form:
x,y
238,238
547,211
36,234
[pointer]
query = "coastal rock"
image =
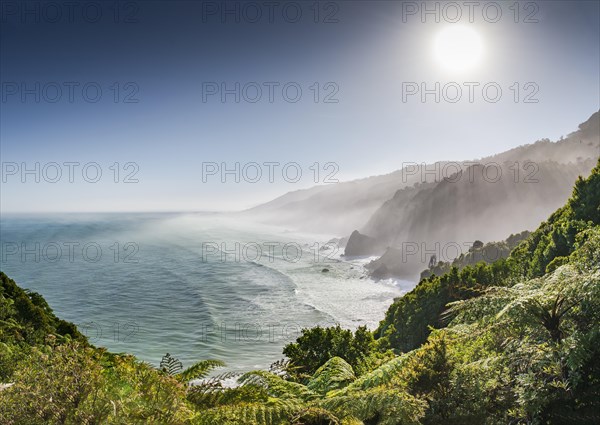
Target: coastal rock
x,y
339,242
393,264
381,272
359,244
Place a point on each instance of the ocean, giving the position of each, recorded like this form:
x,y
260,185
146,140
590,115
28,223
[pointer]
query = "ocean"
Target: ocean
x,y
195,285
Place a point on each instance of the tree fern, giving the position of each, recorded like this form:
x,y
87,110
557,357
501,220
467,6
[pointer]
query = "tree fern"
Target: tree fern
x,y
383,375
277,386
336,373
170,365
200,370
315,415
272,412
211,392
173,367
387,406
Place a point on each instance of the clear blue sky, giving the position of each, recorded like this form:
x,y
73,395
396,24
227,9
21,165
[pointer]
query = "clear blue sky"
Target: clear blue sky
x,y
174,48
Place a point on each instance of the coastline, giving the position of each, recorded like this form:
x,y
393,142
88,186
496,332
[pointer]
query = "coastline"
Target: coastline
x,y
170,300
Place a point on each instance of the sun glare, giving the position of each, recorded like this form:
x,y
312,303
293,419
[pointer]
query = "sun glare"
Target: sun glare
x,y
458,48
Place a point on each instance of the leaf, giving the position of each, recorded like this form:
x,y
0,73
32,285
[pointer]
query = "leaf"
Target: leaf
x,y
170,365
200,370
336,373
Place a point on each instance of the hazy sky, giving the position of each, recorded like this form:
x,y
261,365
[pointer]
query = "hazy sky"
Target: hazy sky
x,y
88,86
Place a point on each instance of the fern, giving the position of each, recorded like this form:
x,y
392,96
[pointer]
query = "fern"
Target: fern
x,y
390,406
383,375
170,365
273,412
200,370
336,373
315,415
205,398
173,367
277,386
280,367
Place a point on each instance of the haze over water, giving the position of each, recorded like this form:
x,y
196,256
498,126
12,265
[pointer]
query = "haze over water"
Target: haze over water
x,y
149,284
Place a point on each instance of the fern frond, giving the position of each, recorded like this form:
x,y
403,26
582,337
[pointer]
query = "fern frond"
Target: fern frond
x,y
336,373
208,397
315,415
170,365
273,412
351,421
383,375
199,370
276,386
390,406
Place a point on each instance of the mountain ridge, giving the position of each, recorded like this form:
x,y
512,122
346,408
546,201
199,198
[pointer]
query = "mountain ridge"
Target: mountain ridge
x,y
445,202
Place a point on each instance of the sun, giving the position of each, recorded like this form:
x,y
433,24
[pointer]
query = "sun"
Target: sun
x,y
458,48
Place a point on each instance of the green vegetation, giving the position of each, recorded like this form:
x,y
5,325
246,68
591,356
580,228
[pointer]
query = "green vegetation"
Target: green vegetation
x,y
488,253
409,319
317,345
27,318
556,239
515,341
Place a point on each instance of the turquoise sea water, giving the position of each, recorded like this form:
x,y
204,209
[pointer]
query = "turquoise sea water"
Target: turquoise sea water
x,y
149,284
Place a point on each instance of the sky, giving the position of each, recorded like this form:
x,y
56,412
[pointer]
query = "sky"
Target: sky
x,y
210,105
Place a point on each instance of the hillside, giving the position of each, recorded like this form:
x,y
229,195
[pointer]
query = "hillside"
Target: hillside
x,y
487,200
548,247
478,252
27,318
335,208
373,203
455,214
514,341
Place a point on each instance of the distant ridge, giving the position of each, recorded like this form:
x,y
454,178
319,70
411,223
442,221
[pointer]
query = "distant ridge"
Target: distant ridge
x,y
408,206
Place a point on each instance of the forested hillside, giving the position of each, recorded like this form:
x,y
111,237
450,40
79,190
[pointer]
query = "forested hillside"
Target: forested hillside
x,y
488,253
463,211
407,320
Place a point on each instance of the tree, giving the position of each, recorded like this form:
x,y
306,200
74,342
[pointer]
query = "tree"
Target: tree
x,y
317,345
